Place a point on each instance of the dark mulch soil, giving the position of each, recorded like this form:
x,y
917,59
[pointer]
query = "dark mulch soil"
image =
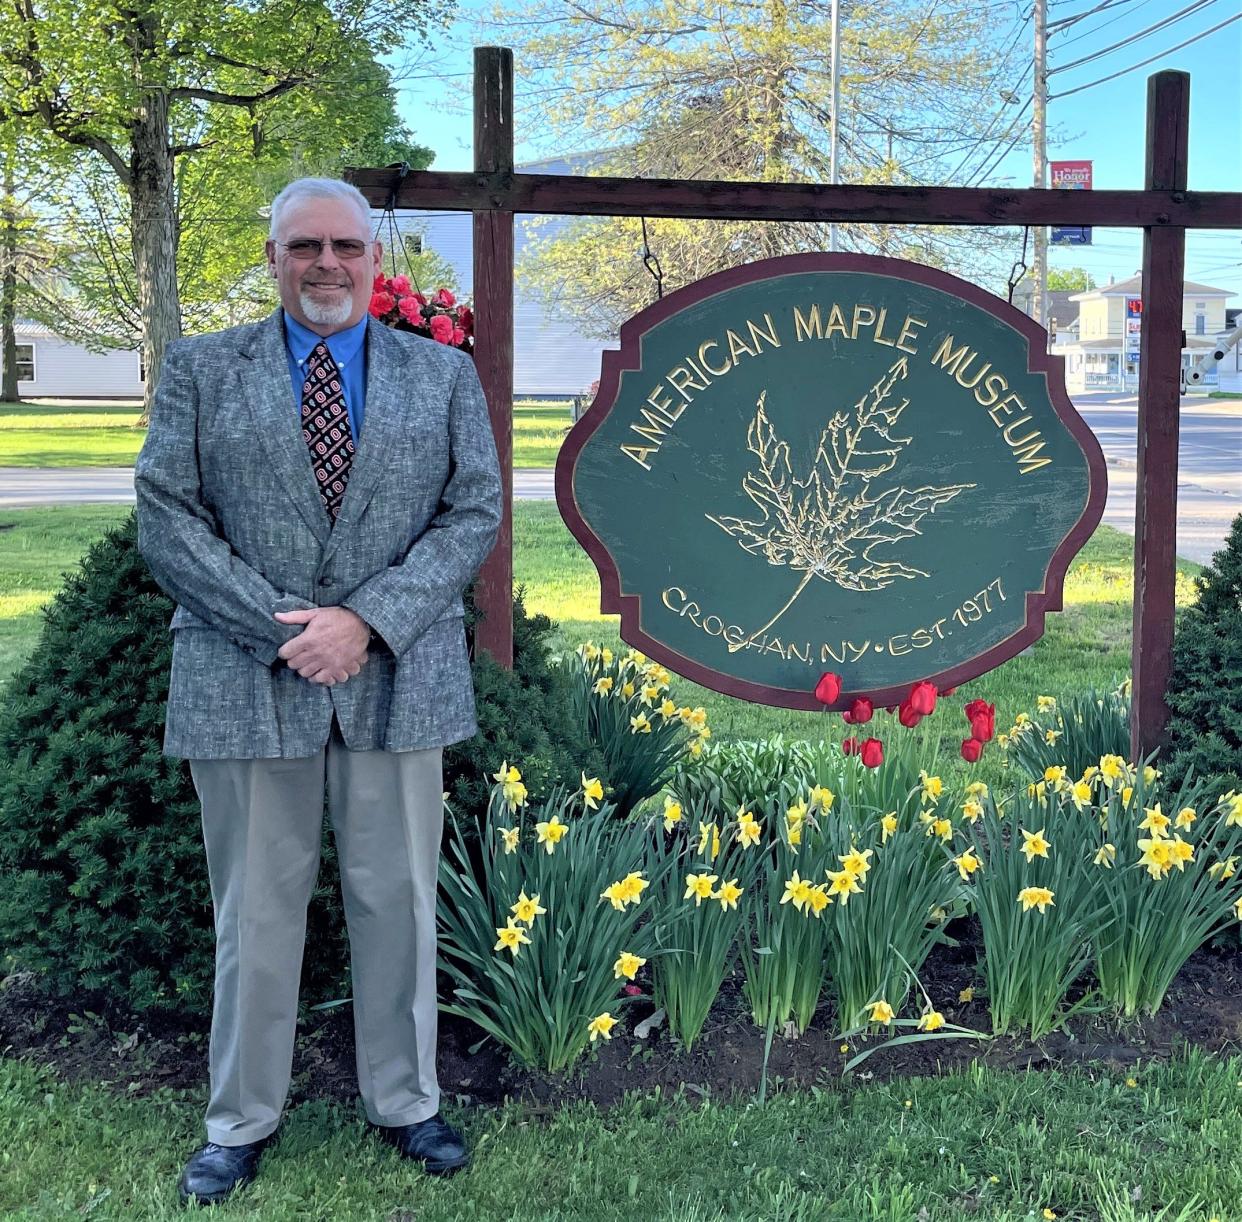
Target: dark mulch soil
x,y
85,1041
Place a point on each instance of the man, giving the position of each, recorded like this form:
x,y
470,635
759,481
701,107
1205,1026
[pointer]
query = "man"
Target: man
x,y
315,492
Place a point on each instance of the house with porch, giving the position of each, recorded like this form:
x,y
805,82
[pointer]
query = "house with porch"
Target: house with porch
x,y
1103,354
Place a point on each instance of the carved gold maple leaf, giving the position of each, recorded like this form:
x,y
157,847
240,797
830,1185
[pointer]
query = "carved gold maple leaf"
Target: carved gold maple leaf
x,y
828,524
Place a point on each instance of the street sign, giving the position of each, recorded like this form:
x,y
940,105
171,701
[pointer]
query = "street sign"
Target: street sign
x,y
831,462
1134,327
1071,176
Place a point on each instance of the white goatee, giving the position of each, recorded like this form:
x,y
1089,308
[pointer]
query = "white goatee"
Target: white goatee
x,y
323,313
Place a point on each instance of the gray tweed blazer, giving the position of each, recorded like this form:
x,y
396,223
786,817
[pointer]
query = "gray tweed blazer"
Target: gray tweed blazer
x,y
232,526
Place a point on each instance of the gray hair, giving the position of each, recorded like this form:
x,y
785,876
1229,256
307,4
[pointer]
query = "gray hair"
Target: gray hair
x,y
301,189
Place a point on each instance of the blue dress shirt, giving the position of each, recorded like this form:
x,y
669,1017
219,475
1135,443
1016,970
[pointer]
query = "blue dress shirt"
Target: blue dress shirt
x,y
348,351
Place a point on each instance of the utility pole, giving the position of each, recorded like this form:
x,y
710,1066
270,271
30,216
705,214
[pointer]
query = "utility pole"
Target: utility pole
x,y
836,106
1039,147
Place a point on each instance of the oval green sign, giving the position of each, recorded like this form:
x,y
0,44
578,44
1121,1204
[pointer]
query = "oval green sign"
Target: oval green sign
x,y
831,462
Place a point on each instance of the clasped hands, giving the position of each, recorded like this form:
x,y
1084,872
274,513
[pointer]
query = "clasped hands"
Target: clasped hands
x,y
332,646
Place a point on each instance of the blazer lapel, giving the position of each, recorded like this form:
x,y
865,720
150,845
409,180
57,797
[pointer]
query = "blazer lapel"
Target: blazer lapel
x,y
387,393
268,390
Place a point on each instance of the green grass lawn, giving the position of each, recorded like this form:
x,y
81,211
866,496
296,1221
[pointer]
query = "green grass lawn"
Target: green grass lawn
x,y
105,434
979,1144
1088,644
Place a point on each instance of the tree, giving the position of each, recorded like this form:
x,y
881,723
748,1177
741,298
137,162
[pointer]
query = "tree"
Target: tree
x,y
144,86
1070,279
741,89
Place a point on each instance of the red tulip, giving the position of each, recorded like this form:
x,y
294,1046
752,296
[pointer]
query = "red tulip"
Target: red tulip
x,y
849,746
828,689
922,698
872,753
908,717
861,711
982,720
972,749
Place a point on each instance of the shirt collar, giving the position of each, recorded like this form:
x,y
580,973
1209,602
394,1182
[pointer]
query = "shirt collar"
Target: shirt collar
x,y
344,345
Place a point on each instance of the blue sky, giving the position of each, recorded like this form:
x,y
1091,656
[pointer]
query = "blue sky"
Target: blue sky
x,y
1104,124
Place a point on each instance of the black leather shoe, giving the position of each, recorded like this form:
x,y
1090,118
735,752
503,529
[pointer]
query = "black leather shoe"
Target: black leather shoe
x,y
215,1172
434,1143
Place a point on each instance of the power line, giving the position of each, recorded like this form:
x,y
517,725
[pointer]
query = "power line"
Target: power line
x,y
1065,22
1096,29
1150,59
1151,29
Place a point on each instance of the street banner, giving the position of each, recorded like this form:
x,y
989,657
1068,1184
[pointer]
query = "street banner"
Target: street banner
x,y
1071,176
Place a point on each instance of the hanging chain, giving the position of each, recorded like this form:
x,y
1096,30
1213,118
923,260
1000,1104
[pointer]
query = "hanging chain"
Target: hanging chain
x,y
650,262
1019,268
389,219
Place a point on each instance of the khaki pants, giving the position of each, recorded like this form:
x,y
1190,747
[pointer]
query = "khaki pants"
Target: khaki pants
x,y
262,825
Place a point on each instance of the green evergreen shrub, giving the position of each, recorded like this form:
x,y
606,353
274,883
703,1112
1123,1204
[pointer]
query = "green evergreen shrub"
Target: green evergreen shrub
x,y
1205,687
103,881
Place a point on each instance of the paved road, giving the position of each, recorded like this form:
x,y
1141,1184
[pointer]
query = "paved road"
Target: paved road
x,y
1209,492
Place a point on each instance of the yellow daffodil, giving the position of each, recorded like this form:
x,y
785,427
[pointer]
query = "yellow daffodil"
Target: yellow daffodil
x,y
797,891
695,747
605,655
601,1024
1046,704
1051,736
1055,774
614,893
1035,897
822,798
888,826
1080,793
697,718
967,863
592,791
1156,822
932,786
817,899
940,827
728,894
1037,789
589,651
1185,817
635,658
1157,858
640,724
511,937
1223,870
1106,855
650,693
881,1012
1033,844
632,886
1127,792
704,734
709,833
668,710
977,790
1181,851
506,775
971,810
1232,802
699,887
795,817
932,1020
937,914
627,689
550,832
1112,769
748,829
1003,740
1237,908
602,686
509,835
510,782
857,862
1150,775
627,965
672,812
966,996
527,908
1021,721
843,884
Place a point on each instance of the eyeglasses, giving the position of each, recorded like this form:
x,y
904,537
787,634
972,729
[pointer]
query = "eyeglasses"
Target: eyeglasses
x,y
312,248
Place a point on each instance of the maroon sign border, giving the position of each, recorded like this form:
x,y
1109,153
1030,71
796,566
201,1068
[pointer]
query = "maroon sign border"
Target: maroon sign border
x,y
628,357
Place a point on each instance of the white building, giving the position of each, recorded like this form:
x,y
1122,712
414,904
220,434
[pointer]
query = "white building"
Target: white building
x,y
1103,353
49,367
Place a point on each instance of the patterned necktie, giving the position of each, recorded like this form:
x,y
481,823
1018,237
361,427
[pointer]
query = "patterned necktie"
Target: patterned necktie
x,y
325,425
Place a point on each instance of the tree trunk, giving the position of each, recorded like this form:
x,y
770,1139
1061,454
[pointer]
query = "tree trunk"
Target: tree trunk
x,y
8,293
153,217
